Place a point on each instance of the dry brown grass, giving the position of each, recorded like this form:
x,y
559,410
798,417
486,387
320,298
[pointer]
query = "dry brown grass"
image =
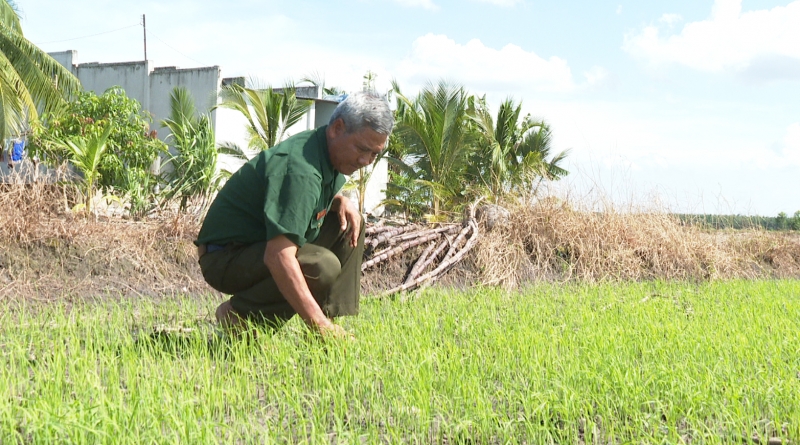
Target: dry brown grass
x,y
551,240
46,251
49,251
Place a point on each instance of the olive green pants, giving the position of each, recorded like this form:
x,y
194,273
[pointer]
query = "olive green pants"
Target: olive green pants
x,y
332,269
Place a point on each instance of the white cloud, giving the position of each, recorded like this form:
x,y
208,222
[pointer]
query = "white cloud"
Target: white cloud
x,y
597,75
728,41
426,4
619,9
643,134
482,68
670,19
501,2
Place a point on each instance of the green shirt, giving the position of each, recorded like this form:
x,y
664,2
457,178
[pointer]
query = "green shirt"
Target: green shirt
x,y
286,190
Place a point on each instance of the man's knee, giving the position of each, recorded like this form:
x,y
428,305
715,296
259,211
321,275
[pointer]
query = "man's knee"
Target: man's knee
x,y
320,267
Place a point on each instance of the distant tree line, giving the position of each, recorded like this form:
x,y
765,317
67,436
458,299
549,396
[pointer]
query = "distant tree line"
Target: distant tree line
x,y
739,222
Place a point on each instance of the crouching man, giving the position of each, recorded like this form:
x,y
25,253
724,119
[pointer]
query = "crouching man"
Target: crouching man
x,y
280,238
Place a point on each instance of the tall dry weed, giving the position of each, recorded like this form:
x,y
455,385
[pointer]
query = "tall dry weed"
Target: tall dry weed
x,y
553,239
30,208
46,246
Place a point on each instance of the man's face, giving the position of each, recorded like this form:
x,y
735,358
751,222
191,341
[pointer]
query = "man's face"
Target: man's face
x,y
351,151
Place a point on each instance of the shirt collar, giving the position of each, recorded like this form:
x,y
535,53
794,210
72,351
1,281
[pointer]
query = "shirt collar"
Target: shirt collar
x,y
326,166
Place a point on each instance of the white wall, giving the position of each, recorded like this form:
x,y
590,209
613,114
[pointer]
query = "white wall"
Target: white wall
x,y
202,83
150,86
24,172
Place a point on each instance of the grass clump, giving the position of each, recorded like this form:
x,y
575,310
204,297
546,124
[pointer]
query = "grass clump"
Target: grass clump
x,y
634,363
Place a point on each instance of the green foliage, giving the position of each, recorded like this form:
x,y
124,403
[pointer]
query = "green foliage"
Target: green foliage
x,y
782,222
435,131
404,197
512,153
30,80
194,165
130,145
86,154
269,113
449,149
743,222
138,190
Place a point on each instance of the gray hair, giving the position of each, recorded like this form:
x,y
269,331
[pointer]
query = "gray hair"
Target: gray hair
x,y
360,110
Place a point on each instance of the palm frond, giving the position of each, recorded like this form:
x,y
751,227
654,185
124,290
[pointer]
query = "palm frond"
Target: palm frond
x,y
9,17
269,113
182,107
47,80
36,79
194,164
14,101
86,154
233,150
437,129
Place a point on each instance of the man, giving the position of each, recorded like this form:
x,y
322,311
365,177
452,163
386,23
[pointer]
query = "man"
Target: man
x,y
280,238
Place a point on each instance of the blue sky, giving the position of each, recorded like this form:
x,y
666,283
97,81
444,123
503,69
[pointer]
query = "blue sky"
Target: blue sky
x,y
692,104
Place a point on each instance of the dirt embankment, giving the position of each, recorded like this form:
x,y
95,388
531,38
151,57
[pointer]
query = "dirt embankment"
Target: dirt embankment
x,y
107,257
115,258
47,253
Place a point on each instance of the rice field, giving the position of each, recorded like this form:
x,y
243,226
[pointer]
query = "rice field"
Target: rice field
x,y
707,363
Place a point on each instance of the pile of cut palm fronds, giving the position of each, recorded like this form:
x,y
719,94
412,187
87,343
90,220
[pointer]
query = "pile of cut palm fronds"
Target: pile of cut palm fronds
x,y
446,245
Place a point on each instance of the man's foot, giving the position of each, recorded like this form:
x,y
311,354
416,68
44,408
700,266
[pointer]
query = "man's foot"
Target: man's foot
x,y
229,320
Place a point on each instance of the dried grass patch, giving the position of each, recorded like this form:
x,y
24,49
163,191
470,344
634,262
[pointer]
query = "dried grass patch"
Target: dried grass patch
x,y
48,252
551,240
52,252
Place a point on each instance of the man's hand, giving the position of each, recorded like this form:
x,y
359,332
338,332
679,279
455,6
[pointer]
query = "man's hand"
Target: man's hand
x,y
348,214
332,331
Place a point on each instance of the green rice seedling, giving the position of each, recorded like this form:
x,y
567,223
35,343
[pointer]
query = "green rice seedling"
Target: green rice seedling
x,y
648,362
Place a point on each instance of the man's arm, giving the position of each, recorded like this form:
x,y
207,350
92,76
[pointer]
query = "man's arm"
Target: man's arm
x,y
280,257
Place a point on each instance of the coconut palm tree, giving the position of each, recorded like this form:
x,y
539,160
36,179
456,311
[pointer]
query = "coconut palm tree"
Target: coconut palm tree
x,y
316,79
269,112
194,162
86,154
30,80
435,129
512,152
